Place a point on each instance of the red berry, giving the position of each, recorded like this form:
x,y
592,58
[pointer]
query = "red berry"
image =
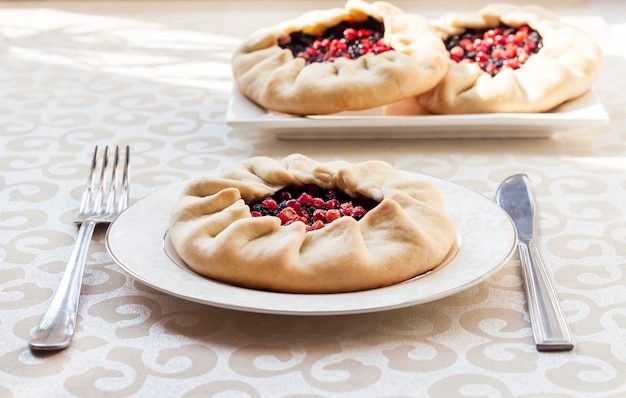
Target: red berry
x,y
319,215
467,44
481,56
523,58
512,63
317,225
346,208
287,214
332,215
331,204
361,33
490,68
457,51
498,53
305,199
269,204
511,50
529,46
338,46
294,204
350,34
317,202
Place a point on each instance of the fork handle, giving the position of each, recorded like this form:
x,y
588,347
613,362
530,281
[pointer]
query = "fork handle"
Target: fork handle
x,y
56,329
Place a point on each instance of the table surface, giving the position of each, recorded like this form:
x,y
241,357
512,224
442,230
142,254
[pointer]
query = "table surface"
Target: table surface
x,y
156,76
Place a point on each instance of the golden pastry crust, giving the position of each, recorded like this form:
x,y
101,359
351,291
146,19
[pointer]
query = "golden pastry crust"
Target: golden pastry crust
x,y
408,233
270,75
563,69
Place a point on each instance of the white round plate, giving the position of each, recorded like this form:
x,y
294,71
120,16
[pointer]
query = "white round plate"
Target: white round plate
x,y
487,238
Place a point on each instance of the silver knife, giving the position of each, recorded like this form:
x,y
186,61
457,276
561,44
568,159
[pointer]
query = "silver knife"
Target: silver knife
x,y
548,323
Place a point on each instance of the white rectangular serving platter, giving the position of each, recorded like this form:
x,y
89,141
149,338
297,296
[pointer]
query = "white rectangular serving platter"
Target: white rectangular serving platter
x,y
585,111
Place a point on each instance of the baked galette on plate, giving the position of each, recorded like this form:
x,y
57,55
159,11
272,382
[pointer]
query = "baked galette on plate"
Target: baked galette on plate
x,y
509,58
301,226
341,59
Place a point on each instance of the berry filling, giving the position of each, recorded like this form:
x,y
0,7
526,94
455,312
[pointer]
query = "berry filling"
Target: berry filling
x,y
496,48
311,205
349,39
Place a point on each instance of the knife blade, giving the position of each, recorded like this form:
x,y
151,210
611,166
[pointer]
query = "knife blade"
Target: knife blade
x,y
550,329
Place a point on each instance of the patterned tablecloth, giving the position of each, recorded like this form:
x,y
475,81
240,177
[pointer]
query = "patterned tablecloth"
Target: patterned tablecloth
x,y
156,76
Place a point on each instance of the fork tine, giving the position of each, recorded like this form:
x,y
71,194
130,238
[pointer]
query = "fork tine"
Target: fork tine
x,y
91,180
97,203
116,191
125,188
113,183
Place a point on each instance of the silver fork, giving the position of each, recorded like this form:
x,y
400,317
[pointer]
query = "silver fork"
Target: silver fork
x,y
104,197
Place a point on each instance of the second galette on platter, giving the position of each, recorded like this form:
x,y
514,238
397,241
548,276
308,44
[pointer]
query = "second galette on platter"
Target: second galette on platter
x,y
509,58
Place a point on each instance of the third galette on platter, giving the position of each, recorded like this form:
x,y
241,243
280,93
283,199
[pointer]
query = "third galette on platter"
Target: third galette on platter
x,y
509,58
300,226
341,59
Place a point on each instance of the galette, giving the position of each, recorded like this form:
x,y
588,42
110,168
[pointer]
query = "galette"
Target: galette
x,y
341,59
301,226
509,58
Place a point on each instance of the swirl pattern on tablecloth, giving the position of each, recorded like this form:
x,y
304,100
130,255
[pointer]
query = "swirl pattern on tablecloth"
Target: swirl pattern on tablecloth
x,y
157,78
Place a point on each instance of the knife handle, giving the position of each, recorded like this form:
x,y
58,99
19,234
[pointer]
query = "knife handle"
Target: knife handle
x,y
547,320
